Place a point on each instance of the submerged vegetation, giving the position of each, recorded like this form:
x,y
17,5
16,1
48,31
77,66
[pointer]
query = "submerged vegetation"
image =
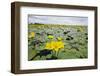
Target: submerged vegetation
x,y
48,42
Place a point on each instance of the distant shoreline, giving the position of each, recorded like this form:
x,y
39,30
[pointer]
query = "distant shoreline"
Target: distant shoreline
x,y
58,24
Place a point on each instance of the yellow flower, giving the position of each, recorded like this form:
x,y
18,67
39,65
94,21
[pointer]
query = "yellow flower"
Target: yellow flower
x,y
49,46
54,45
50,37
59,38
81,29
32,34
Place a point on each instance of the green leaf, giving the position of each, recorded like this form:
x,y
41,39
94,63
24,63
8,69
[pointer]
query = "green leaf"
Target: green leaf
x,y
31,53
49,56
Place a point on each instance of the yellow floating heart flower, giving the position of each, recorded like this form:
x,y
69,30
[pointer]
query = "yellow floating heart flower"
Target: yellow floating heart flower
x,y
81,29
54,45
32,34
50,37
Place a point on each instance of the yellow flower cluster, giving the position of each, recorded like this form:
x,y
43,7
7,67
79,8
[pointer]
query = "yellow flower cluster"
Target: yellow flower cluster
x,y
32,34
54,45
50,37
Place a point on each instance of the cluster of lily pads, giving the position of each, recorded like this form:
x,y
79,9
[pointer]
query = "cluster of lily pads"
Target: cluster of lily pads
x,y
48,42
